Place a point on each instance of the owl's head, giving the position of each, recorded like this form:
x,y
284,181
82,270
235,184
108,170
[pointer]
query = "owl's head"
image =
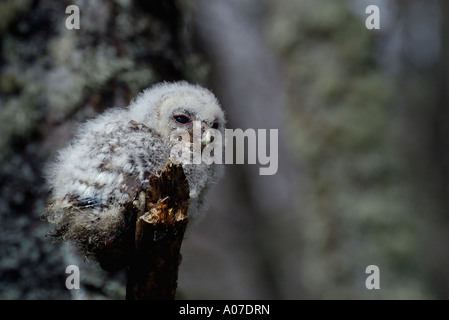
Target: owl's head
x,y
168,107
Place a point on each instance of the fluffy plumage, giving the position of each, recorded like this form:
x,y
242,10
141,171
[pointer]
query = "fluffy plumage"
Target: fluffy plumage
x,y
112,157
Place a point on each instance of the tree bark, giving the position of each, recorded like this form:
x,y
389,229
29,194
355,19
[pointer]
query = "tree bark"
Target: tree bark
x,y
153,271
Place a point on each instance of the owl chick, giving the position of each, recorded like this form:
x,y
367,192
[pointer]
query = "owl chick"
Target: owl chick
x,y
112,157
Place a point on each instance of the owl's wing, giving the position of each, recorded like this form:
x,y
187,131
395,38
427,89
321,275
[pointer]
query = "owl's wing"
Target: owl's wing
x,y
88,203
130,186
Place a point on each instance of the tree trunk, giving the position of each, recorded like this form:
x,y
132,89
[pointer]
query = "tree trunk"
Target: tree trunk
x,y
153,271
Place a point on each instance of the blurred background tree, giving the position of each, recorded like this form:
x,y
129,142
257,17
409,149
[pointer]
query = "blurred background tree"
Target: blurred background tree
x,y
363,140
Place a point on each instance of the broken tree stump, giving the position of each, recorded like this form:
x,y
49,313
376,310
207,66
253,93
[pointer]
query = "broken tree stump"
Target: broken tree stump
x,y
153,269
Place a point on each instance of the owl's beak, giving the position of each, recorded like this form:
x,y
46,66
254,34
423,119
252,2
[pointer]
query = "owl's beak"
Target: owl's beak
x,y
206,135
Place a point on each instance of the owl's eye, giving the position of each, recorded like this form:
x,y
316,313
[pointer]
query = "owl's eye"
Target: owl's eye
x,y
181,118
215,125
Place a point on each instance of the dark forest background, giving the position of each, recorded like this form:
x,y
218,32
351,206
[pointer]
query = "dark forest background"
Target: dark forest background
x,y
363,140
